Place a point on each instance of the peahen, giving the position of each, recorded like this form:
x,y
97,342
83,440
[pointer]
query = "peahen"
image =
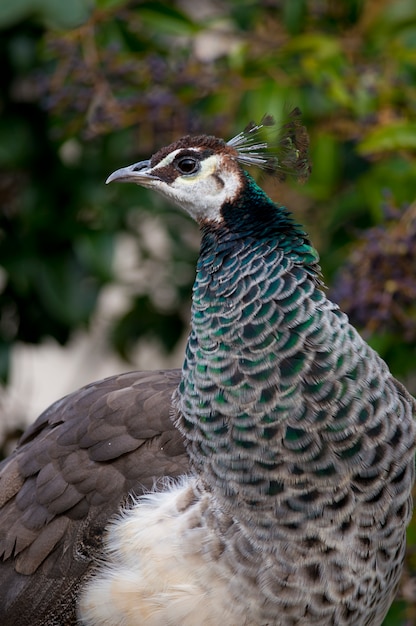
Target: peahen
x,y
291,442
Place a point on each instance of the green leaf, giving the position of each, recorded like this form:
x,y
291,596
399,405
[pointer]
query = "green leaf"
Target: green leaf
x,y
163,19
323,47
399,135
55,13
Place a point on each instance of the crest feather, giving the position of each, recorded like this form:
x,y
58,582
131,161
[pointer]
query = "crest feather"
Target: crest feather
x,y
286,154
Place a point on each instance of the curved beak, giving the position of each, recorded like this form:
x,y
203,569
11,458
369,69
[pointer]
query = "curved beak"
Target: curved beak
x,y
138,173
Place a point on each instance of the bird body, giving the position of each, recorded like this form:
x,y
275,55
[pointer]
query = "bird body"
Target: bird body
x,y
294,506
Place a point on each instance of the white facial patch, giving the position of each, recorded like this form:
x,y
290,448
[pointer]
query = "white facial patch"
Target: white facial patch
x,y
169,159
202,194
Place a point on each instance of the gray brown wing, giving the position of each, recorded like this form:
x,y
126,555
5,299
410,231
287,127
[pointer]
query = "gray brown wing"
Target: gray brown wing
x,y
70,472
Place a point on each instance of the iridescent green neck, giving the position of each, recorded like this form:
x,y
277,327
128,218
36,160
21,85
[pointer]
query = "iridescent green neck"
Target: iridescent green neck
x,y
254,217
246,359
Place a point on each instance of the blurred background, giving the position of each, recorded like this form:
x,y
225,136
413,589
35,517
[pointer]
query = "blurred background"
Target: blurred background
x,y
95,280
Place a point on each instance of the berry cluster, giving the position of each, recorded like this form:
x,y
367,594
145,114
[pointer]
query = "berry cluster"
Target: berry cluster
x,y
377,285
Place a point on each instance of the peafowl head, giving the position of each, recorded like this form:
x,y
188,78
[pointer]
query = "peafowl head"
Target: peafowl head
x,y
204,174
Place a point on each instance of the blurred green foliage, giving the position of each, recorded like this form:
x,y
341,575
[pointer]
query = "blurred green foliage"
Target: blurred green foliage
x,y
87,87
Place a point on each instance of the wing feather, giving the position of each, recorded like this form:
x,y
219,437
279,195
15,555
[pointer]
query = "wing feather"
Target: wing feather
x,y
71,471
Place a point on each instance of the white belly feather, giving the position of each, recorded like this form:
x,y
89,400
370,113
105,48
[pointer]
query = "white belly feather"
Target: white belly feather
x,y
160,569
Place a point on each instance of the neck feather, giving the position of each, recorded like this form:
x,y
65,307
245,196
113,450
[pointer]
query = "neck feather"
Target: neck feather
x,y
253,220
245,355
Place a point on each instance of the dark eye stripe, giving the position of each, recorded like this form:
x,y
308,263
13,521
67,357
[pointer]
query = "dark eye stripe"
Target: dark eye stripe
x,y
170,171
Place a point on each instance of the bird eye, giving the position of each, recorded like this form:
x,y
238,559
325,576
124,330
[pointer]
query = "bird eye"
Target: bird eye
x,y
187,165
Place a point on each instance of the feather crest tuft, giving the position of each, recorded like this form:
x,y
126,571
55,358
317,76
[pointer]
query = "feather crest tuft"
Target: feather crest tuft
x,y
288,154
